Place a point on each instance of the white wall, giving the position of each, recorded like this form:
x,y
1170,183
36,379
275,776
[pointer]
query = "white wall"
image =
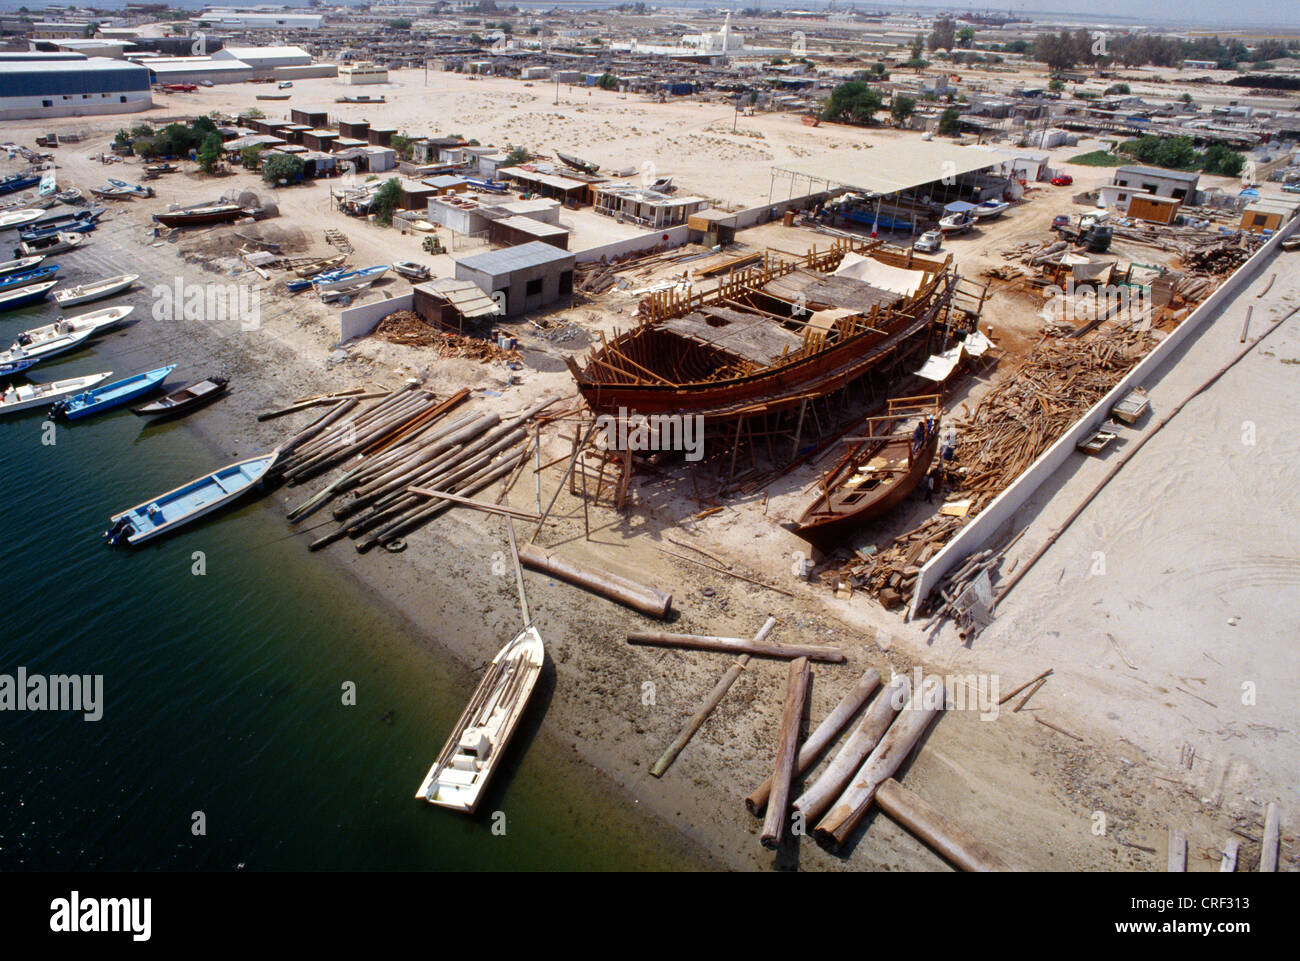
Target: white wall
x,y
31,108
989,521
361,320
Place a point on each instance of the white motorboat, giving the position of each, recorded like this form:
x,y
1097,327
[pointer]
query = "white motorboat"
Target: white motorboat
x,y
990,209
84,293
91,323
37,395
17,218
18,358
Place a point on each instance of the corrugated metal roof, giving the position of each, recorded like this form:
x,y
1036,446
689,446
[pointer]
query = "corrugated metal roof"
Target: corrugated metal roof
x,y
890,168
464,295
533,254
1158,172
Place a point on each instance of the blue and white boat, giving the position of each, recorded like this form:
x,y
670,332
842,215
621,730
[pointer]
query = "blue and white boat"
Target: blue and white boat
x,y
17,182
189,502
20,357
49,230
136,189
19,265
990,209
343,279
112,395
22,296
26,277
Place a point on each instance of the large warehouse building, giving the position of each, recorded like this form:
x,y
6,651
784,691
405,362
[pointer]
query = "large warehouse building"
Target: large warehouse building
x,y
71,88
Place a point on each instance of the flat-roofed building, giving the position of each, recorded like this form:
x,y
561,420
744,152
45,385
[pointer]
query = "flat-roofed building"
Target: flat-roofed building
x,y
521,278
72,88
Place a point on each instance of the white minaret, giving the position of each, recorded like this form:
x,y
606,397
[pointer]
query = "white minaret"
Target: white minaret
x,y
726,33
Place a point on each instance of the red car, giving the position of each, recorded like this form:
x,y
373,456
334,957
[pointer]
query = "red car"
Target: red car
x,y
1062,180
180,87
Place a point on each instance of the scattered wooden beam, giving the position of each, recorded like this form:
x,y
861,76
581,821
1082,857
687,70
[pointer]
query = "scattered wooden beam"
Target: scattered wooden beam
x,y
469,502
1272,836
742,645
1177,850
945,838
1229,862
710,703
647,600
796,694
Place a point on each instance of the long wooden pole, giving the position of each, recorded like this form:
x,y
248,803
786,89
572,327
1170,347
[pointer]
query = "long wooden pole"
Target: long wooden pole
x,y
884,761
787,745
740,645
639,597
1272,836
817,797
946,839
710,703
468,502
825,734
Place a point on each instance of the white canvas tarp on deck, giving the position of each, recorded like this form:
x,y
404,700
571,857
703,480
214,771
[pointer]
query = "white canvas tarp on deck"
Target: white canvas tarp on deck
x,y
897,280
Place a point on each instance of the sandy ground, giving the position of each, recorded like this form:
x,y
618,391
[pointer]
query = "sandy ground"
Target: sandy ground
x,y
1026,791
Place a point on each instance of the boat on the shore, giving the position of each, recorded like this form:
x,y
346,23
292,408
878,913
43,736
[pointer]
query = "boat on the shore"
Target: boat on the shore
x,y
108,396
181,402
272,96
411,270
22,296
26,277
990,209
320,266
27,396
187,503
91,214
19,357
28,234
96,290
94,322
63,241
19,265
17,182
480,737
18,218
138,190
112,193
70,195
959,217
201,215
577,163
876,474
360,98
350,279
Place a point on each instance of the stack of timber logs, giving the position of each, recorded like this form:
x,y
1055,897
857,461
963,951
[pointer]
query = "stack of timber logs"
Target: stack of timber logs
x,y
407,439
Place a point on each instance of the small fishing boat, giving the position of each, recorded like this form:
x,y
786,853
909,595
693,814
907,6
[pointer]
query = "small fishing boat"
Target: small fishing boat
x,y
112,193
22,296
17,182
990,209
876,474
187,503
94,322
479,740
91,214
577,163
181,402
84,293
321,266
201,215
139,190
62,241
23,278
108,396
28,234
18,266
18,218
27,396
272,96
347,279
70,195
411,270
159,168
958,218
19,357
360,98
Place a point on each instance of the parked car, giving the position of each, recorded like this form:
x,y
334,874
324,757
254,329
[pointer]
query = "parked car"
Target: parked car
x,y
1062,180
1292,188
1060,220
284,84
928,242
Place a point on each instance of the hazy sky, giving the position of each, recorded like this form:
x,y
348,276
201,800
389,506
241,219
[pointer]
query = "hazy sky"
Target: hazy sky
x,y
1217,12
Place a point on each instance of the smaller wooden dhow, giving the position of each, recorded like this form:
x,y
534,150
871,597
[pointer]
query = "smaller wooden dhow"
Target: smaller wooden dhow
x,y
96,290
18,218
577,163
185,504
93,322
19,265
181,402
19,358
876,474
27,396
26,277
201,215
22,296
350,279
479,740
106,397
61,242
312,268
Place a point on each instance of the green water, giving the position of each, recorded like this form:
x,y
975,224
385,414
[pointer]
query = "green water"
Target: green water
x,y
223,691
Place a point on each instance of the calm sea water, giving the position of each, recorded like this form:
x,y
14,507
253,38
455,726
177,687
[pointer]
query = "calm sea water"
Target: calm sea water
x,y
223,692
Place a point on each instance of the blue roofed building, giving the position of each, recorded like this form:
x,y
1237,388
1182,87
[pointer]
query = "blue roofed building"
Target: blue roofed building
x,y
33,89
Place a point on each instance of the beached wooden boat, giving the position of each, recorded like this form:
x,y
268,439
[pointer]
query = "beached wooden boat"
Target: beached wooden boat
x,y
480,737
181,402
63,241
877,474
411,270
20,357
26,277
27,396
112,193
22,296
349,279
577,163
106,397
478,741
185,504
320,266
97,290
272,96
201,215
159,168
18,218
70,195
19,265
138,190
94,322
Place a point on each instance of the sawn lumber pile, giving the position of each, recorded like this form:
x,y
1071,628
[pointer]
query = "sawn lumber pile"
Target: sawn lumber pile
x,y
406,328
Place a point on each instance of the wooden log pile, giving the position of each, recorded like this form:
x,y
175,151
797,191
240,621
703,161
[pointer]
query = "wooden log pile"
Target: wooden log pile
x,y
408,329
